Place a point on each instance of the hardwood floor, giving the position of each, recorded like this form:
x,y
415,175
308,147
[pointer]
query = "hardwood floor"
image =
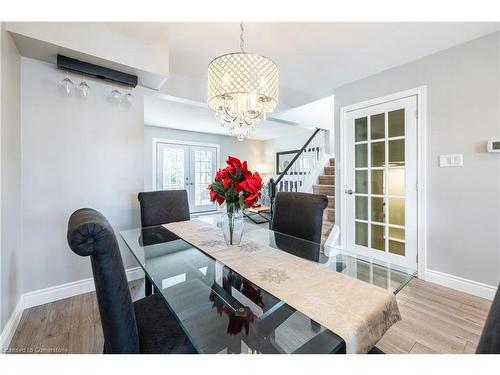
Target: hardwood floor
x,y
435,320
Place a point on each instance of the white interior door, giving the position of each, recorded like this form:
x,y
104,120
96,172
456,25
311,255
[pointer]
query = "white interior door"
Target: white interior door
x,y
189,167
381,182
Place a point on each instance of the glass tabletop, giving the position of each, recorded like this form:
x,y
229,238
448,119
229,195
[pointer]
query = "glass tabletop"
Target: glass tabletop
x,y
222,312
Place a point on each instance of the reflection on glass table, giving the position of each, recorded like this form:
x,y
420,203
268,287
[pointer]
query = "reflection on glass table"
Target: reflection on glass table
x,y
222,312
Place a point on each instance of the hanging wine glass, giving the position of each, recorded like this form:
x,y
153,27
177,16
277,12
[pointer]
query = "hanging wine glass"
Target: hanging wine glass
x,y
116,95
129,98
84,89
67,85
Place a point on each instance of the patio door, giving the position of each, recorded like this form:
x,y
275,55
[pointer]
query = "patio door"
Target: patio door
x,y
381,181
187,166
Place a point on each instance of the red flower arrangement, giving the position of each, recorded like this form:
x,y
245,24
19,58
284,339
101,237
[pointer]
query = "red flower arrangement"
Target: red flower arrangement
x,y
236,184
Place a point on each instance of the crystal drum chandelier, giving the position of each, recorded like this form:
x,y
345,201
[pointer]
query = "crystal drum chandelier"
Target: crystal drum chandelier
x,y
242,89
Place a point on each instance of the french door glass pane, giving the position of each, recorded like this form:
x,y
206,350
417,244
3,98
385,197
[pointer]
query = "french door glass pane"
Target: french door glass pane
x,y
173,168
377,181
397,241
360,129
396,181
361,233
361,208
397,152
377,125
397,123
397,211
203,174
378,154
361,156
378,237
378,214
362,182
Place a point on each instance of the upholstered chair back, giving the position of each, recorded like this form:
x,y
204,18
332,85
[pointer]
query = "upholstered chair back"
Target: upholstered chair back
x,y
91,235
299,215
163,207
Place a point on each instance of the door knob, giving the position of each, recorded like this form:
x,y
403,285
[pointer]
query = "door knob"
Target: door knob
x,y
348,191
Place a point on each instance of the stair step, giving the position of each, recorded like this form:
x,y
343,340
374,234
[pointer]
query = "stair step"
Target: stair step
x,y
330,170
329,214
324,189
327,179
331,201
327,227
332,162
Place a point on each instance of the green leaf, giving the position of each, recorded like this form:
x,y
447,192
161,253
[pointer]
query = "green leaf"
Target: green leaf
x,y
218,188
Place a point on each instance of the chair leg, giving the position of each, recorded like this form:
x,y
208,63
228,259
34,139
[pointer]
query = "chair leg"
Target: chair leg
x,y
148,286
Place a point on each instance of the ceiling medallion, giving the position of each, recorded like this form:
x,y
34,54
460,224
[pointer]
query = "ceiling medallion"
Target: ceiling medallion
x,y
242,89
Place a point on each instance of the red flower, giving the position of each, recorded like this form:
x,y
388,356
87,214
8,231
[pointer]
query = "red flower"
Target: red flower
x,y
252,184
213,194
226,183
236,176
234,162
221,174
244,170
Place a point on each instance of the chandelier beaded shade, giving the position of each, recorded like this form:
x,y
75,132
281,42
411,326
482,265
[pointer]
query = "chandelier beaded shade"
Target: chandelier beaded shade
x,y
242,90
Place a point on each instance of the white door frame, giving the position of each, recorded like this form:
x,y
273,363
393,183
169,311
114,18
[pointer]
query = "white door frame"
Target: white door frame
x,y
184,143
421,94
156,141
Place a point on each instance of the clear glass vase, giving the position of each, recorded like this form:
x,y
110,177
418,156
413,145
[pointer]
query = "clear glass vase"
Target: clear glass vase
x,y
232,223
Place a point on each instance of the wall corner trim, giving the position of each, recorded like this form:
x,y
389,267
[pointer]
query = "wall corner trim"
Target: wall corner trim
x,y
51,294
475,288
11,325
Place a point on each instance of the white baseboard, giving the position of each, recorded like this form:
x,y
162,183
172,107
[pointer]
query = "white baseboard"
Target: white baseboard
x,y
55,293
11,326
464,285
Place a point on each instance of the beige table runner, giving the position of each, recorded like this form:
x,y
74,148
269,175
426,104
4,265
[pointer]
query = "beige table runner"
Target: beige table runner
x,y
357,311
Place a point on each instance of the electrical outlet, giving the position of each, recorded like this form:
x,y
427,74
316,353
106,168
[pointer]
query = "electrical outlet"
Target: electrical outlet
x,y
452,160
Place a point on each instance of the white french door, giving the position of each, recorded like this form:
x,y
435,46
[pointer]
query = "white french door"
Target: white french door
x,y
187,166
381,181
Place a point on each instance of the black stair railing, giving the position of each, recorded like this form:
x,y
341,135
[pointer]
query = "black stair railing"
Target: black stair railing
x,y
279,184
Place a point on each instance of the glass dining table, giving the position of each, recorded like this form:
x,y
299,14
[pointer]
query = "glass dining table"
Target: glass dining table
x,y
222,312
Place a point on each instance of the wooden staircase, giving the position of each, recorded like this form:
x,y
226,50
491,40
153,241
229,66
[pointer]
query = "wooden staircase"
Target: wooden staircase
x,y
326,186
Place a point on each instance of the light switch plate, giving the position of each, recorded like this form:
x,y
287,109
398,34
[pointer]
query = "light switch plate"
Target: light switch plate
x,y
452,160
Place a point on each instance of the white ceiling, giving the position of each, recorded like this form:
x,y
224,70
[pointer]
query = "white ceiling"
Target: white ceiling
x,y
313,58
172,113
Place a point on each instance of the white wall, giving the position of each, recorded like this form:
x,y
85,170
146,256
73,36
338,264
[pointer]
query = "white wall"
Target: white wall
x,y
284,143
76,153
250,150
126,52
463,112
11,253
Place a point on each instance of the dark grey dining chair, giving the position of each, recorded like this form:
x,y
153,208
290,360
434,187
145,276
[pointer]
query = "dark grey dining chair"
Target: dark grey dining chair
x,y
299,215
489,342
162,207
144,326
